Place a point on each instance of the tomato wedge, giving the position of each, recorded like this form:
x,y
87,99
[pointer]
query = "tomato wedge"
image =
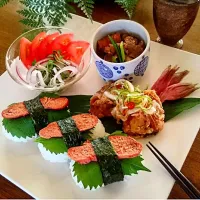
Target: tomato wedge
x,y
75,50
35,45
44,48
60,43
24,52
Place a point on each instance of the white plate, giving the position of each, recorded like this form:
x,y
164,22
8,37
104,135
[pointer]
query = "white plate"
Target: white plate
x,y
24,165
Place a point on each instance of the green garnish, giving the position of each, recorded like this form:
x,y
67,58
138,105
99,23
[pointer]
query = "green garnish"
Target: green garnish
x,y
58,57
122,51
117,49
50,65
64,75
114,59
34,62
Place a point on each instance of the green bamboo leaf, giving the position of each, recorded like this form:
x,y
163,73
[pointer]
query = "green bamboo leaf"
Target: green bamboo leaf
x,y
79,104
173,108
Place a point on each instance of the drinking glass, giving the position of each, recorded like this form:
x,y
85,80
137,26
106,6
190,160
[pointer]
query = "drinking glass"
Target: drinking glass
x,y
173,19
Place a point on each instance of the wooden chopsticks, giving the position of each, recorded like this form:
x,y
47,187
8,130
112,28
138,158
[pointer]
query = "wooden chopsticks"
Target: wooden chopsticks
x,y
185,184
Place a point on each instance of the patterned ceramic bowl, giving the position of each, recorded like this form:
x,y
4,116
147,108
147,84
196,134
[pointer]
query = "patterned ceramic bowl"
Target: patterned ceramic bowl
x,y
130,69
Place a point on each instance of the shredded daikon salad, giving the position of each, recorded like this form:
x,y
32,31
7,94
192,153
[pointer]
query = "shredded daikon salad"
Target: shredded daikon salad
x,y
129,99
51,72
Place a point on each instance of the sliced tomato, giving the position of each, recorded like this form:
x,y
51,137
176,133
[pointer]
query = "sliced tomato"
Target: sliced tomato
x,y
24,51
60,43
44,48
75,50
35,45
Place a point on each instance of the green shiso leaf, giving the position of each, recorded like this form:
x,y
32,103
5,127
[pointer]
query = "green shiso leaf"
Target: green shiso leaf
x,y
89,175
86,173
54,145
173,108
79,104
21,127
133,165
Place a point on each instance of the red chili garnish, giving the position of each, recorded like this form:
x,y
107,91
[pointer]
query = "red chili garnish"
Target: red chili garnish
x,y
130,105
119,86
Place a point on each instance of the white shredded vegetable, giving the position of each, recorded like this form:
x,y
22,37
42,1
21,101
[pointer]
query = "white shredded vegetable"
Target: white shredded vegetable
x,y
134,110
110,96
52,74
42,68
73,70
59,77
129,100
40,78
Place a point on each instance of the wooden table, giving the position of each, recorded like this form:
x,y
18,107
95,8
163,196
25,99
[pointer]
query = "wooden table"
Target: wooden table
x,y
104,12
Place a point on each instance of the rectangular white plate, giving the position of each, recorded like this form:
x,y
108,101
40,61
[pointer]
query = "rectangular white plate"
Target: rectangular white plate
x,y
24,166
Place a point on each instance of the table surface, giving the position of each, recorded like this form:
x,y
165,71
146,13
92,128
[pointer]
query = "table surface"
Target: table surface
x,y
11,28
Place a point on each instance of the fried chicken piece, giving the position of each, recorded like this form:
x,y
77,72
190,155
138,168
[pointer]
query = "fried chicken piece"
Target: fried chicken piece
x,y
133,47
140,124
100,105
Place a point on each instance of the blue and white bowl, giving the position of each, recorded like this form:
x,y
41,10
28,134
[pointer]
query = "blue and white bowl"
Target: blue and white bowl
x,y
128,70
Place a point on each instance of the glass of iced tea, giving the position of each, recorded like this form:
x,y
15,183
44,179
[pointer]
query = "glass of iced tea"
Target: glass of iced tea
x,y
173,19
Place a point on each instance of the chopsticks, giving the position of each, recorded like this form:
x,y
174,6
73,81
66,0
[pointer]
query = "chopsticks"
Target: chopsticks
x,y
185,184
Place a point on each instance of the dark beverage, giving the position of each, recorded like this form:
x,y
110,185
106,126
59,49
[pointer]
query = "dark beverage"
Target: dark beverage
x,y
173,18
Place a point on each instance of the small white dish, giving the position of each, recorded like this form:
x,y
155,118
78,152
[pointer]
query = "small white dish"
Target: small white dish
x,y
128,70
